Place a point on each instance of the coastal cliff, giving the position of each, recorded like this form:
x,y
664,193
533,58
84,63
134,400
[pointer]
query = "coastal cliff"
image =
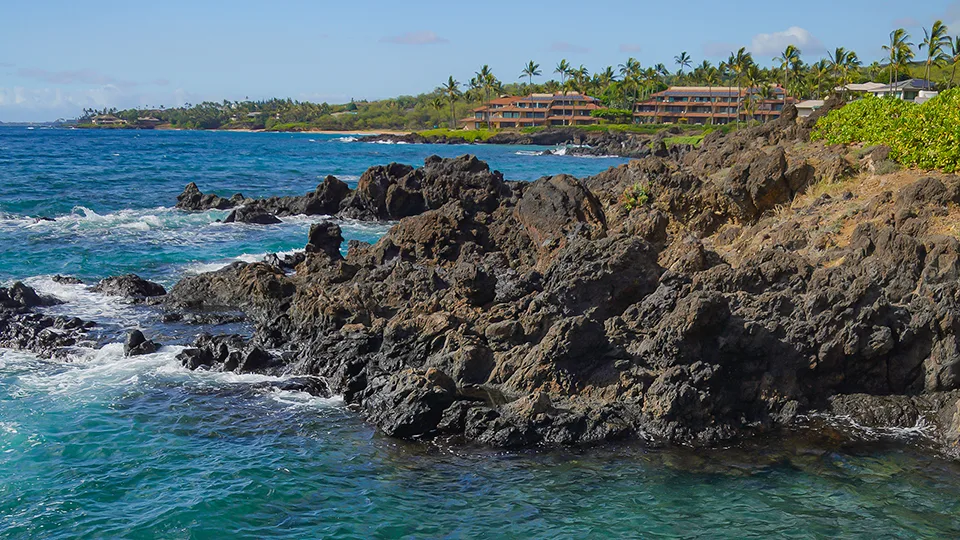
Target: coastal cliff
x,y
687,298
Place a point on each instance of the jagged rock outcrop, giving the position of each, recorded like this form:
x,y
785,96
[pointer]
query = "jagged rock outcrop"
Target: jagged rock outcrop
x,y
137,344
723,304
23,328
129,286
589,143
383,193
193,199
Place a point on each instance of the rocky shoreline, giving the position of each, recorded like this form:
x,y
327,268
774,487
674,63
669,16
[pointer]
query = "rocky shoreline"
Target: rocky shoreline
x,y
697,297
575,141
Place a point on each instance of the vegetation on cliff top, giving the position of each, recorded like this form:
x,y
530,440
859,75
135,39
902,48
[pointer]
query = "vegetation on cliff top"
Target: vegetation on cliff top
x,y
925,136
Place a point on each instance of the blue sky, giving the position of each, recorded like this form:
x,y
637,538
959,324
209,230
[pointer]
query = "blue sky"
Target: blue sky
x,y
57,57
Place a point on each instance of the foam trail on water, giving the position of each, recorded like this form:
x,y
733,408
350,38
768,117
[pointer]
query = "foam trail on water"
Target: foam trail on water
x,y
203,267
80,301
94,374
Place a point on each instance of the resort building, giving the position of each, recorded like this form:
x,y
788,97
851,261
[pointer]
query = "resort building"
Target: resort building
x,y
908,90
807,107
709,105
570,109
107,120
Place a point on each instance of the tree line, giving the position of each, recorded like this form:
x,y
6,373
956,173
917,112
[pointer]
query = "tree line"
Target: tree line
x,y
619,88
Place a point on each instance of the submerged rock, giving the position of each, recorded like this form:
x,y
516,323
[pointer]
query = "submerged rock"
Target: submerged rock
x,y
137,344
22,328
129,286
252,214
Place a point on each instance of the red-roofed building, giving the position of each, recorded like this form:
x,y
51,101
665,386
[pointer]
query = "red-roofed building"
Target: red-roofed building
x,y
570,109
709,105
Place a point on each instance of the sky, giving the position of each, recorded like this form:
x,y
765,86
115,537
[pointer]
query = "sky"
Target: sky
x,y
58,57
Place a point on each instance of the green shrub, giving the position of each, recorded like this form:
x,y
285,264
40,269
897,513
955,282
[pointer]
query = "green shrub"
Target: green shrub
x,y
925,136
468,135
614,116
886,167
929,137
694,140
634,196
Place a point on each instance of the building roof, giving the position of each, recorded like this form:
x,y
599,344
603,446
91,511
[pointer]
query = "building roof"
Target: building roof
x,y
909,84
707,91
810,104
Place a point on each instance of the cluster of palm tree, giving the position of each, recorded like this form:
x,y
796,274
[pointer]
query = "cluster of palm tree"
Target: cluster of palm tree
x,y
630,83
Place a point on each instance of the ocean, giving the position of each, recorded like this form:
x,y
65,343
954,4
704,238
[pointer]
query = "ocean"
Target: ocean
x,y
103,446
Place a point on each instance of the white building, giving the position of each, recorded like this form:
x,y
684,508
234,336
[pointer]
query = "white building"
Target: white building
x,y
908,90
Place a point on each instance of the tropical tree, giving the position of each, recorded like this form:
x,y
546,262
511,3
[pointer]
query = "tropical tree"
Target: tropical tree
x,y
682,60
841,64
764,95
452,90
899,50
606,77
711,77
563,68
818,71
630,72
531,70
738,63
485,80
935,42
788,58
954,58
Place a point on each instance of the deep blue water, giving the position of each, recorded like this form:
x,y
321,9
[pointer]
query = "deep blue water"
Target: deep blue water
x,y
107,447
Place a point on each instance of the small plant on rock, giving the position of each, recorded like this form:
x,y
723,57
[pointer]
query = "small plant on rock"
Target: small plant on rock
x,y
634,196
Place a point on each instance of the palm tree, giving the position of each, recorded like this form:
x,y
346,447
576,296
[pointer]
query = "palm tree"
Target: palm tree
x,y
563,68
738,63
842,62
935,41
819,70
606,77
486,81
683,60
452,90
899,49
788,58
765,94
711,77
531,70
579,78
630,71
954,58
438,104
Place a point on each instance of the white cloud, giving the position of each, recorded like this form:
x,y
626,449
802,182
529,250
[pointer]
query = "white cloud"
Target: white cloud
x,y
630,48
19,104
773,44
422,37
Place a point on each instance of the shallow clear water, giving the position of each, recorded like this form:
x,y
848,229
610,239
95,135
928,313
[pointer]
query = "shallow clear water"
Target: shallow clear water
x,y
107,447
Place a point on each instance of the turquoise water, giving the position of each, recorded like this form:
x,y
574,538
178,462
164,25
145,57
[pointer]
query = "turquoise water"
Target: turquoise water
x,y
107,447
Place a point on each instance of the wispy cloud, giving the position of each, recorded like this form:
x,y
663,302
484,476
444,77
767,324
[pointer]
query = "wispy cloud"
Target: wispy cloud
x,y
774,43
20,103
565,47
952,17
421,37
78,76
906,22
160,82
629,48
6,64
